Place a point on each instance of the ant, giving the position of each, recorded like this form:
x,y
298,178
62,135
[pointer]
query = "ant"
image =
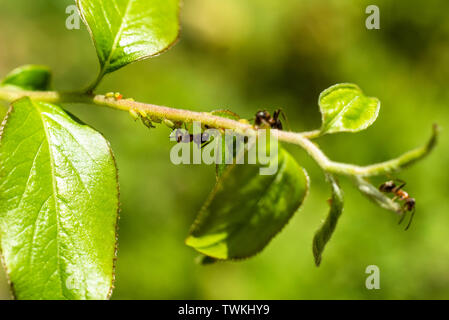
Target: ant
x,y
263,117
202,139
409,202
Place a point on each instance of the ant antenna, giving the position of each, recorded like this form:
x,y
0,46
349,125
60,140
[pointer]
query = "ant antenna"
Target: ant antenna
x,y
404,213
411,218
285,118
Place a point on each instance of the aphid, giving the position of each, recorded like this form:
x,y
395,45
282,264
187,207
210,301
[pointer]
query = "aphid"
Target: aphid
x,y
264,118
155,119
134,114
147,122
168,123
114,95
409,202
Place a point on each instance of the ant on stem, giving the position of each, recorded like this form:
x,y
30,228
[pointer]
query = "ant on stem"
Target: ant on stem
x,y
409,202
202,139
264,118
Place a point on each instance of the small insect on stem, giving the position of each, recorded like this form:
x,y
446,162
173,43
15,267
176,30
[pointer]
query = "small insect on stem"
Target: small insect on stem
x,y
147,123
264,119
114,95
409,202
134,114
169,123
201,139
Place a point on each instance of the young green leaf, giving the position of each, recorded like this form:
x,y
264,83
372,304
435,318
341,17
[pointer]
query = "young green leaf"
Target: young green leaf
x,y
325,232
246,210
28,77
125,31
58,205
376,196
344,108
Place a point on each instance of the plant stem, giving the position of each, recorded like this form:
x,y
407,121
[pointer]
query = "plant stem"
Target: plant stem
x,y
173,114
97,81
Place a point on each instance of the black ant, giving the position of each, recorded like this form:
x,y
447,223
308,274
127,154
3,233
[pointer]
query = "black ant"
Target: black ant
x,y
264,118
409,202
202,139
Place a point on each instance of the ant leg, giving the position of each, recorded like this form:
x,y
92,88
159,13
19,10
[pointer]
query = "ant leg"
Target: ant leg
x,y
397,188
265,123
402,183
411,218
391,177
404,213
205,144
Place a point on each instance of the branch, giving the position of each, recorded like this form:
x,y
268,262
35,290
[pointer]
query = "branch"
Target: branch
x,y
155,112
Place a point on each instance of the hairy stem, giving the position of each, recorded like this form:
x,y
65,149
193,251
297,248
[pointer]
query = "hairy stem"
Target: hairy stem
x,y
301,139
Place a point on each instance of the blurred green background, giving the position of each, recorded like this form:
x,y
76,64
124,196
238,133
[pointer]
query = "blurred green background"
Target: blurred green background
x,y
263,54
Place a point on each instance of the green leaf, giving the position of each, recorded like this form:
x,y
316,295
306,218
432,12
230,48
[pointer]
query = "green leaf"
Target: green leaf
x,y
344,108
126,31
246,210
29,77
325,232
58,205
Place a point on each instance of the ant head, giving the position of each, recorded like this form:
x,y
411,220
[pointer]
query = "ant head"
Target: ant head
x,y
182,136
410,204
264,114
387,186
179,134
